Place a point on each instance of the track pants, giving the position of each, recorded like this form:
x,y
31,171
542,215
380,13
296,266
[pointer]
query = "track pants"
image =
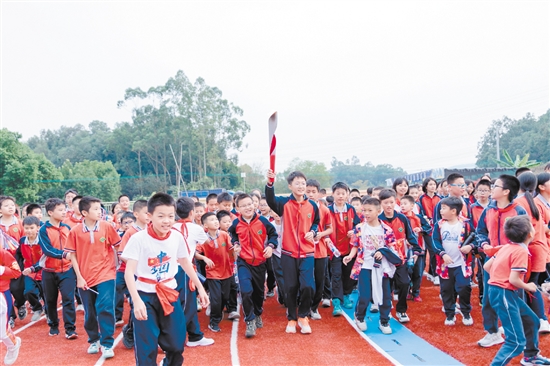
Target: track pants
x,y
65,283
6,305
319,274
251,284
298,275
99,318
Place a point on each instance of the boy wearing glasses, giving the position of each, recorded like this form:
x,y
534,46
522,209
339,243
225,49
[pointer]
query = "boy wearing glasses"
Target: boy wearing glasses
x,y
456,186
483,192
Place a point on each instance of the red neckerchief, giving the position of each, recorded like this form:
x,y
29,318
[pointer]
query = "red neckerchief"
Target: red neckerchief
x,y
154,235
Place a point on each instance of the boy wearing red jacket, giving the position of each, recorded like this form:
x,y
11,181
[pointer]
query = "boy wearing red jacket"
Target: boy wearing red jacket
x,y
9,269
254,238
300,222
344,219
31,252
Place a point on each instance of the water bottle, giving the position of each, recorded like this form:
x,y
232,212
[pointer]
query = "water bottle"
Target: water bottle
x,y
410,261
334,250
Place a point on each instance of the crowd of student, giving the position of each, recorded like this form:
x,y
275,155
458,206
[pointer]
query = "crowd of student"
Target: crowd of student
x,y
171,259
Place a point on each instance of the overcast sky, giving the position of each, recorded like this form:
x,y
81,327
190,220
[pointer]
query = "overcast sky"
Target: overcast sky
x,y
414,83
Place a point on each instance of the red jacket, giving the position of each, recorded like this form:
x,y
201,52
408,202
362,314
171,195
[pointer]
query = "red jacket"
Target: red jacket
x,y
342,222
490,227
253,237
299,218
11,269
52,240
428,204
31,254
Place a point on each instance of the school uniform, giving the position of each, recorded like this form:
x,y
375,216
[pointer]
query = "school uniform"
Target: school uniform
x,y
17,285
57,275
253,237
424,241
520,323
220,278
9,270
297,253
72,221
121,288
157,265
490,230
276,265
427,206
31,253
342,222
321,257
97,263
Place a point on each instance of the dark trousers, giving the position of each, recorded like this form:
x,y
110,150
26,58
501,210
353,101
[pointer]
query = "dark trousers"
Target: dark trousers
x,y
251,284
401,283
365,296
65,283
33,293
270,276
431,251
298,275
278,272
99,317
17,289
342,284
418,272
520,323
188,301
534,300
327,288
166,331
233,293
490,318
459,285
121,291
319,274
220,292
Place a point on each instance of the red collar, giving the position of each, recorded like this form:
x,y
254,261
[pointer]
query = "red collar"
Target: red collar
x,y
154,235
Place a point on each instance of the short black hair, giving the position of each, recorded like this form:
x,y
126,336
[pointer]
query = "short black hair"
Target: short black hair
x,y
517,228
521,170
454,203
483,182
86,202
222,213
408,198
211,196
128,215
329,199
225,197
70,190
138,205
199,204
355,199
369,190
370,201
31,207
206,216
542,178
113,206
52,203
6,198
355,190
76,198
386,193
510,183
340,185
416,185
400,180
425,183
159,199
242,197
184,206
378,188
453,177
31,220
294,175
313,183
323,191
123,195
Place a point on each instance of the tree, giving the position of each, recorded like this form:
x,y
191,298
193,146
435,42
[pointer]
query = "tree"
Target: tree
x,y
528,135
358,176
23,173
312,170
92,178
518,163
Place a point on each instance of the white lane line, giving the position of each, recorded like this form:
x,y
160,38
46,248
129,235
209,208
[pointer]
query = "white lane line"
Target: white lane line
x,y
233,342
117,341
371,342
33,323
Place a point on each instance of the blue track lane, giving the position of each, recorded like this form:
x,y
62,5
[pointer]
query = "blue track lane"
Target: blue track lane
x,y
402,345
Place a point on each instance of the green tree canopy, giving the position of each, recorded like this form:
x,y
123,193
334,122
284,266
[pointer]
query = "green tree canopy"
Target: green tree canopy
x,y
358,175
92,178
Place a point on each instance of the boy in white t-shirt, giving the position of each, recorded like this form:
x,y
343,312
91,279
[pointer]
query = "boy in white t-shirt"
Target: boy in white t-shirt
x,y
453,261
152,258
372,269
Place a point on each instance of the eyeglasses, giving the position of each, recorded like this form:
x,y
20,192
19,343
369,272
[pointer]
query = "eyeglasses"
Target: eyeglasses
x,y
493,186
458,185
127,222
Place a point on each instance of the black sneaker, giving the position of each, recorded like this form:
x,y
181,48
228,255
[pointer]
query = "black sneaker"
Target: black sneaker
x,y
54,331
214,327
22,312
250,329
259,321
71,334
127,337
12,323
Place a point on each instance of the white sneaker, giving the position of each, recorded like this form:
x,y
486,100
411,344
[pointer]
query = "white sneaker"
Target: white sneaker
x,y
436,281
491,339
544,326
303,323
385,328
94,348
467,320
199,306
325,303
403,317
37,315
119,322
374,308
501,330
201,342
362,325
291,326
80,307
233,315
395,297
450,321
314,315
107,352
208,310
13,352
